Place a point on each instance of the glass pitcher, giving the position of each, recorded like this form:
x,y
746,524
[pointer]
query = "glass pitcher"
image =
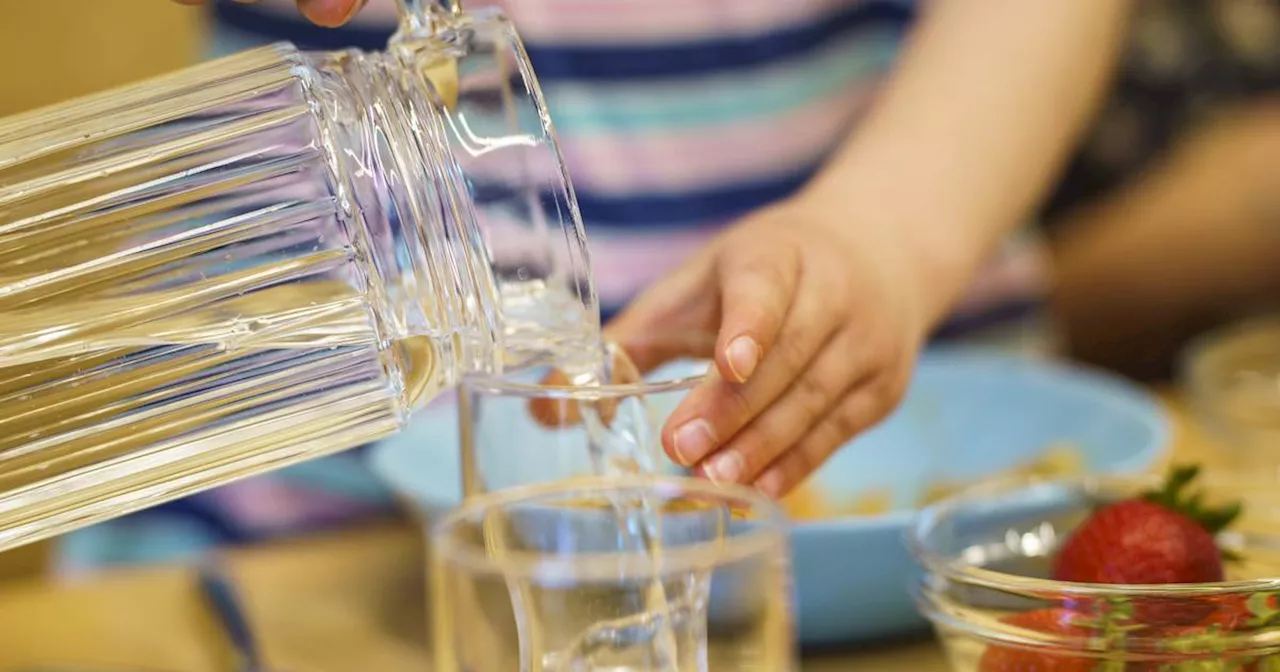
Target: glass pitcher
x,y
272,257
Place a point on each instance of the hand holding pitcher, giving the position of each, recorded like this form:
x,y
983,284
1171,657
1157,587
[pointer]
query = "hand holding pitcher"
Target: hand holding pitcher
x,y
331,13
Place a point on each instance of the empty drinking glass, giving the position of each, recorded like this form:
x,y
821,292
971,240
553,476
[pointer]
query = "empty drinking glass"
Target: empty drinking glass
x,y
542,578
1232,379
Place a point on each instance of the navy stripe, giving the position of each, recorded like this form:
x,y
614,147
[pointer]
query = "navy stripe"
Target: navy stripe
x,y
273,27
997,315
952,330
197,509
659,211
605,62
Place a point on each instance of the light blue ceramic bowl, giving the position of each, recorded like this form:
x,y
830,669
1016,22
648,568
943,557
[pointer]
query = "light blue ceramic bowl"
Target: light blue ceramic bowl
x,y
968,414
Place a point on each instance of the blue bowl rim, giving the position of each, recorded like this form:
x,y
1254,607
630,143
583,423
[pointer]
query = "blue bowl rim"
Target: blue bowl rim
x,y
1119,392
1138,403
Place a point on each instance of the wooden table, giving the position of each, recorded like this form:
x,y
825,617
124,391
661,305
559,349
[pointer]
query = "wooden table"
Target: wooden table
x,y
351,602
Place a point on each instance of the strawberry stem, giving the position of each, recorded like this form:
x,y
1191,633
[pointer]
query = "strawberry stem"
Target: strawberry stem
x,y
1262,607
1173,496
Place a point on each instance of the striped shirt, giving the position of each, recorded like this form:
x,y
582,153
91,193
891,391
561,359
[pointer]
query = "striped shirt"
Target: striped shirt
x,y
675,117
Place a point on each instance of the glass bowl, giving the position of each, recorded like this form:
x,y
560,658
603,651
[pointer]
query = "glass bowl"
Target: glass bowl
x,y
986,556
1232,379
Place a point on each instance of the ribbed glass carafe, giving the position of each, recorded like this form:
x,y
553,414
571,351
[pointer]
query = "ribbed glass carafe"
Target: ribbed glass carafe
x,y
269,258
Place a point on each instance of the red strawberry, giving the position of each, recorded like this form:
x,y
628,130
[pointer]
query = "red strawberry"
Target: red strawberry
x,y
1198,665
1164,536
1138,541
1230,613
1160,537
1191,647
1243,612
1051,621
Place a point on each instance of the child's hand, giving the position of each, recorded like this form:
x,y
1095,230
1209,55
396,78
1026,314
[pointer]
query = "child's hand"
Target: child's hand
x,y
819,318
330,13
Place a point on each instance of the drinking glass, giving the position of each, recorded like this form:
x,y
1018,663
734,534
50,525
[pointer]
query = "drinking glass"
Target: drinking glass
x,y
543,578
538,424
1232,380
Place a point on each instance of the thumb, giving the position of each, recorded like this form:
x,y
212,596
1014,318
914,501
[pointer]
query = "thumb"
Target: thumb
x,y
330,13
757,286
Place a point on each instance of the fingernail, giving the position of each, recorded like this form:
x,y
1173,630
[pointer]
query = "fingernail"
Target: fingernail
x,y
743,354
329,13
693,441
727,467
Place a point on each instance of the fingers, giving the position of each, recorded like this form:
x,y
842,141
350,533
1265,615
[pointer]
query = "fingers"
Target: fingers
x,y
756,289
330,13
550,412
622,368
681,305
838,370
716,410
648,352
566,410
859,411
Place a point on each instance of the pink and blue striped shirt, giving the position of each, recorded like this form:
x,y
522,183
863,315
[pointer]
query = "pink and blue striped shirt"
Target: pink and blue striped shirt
x,y
675,117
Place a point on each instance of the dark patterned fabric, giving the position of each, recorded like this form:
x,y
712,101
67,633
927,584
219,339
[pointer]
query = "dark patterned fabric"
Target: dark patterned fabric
x,y
1186,59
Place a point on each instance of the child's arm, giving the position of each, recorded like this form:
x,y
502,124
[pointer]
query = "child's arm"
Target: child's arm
x,y
988,101
821,302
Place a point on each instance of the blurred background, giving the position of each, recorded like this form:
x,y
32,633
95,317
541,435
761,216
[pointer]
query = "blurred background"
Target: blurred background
x,y
1166,224
58,49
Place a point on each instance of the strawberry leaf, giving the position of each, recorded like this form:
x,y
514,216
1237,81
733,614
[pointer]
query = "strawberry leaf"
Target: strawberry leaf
x,y
1219,519
1262,606
1173,496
